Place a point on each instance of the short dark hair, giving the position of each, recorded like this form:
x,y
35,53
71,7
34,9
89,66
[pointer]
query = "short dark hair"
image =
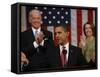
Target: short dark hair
x,y
92,27
65,27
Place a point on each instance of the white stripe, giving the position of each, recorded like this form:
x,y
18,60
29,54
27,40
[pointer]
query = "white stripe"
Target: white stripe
x,y
84,18
23,18
94,17
51,29
73,27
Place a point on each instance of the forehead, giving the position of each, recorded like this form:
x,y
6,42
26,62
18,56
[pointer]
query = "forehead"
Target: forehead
x,y
35,13
87,26
59,29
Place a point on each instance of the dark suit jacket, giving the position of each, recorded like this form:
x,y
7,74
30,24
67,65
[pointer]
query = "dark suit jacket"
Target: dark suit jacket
x,y
75,58
37,56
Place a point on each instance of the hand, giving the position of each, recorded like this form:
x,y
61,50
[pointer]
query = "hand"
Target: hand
x,y
93,57
39,37
83,41
24,60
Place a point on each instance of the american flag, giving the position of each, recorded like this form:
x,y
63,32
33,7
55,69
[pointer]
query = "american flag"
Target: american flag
x,y
75,17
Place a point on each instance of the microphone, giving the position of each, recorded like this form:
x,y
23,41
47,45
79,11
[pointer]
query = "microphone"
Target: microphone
x,y
64,52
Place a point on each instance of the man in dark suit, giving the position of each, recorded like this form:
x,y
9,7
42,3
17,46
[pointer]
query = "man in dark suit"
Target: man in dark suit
x,y
67,55
35,43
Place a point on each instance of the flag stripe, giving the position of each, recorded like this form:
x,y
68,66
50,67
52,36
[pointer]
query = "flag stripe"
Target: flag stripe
x,y
69,28
84,18
73,27
90,16
55,39
79,25
94,18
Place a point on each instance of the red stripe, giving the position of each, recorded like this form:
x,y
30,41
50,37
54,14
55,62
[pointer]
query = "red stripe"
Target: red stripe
x,y
55,39
90,16
69,29
44,27
79,25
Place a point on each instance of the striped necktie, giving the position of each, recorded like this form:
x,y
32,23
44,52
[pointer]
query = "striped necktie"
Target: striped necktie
x,y
63,57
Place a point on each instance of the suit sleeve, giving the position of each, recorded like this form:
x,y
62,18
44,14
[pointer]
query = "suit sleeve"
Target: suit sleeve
x,y
26,45
81,58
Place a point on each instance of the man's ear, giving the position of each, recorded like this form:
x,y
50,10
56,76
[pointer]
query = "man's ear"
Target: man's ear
x,y
67,33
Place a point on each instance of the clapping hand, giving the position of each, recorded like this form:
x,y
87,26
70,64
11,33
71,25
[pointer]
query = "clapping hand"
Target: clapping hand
x,y
39,37
24,60
83,41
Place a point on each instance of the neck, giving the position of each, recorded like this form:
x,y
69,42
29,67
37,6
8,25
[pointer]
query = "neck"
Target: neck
x,y
36,28
65,42
90,37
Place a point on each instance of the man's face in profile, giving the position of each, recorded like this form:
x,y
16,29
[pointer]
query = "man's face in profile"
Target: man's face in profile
x,y
35,19
61,35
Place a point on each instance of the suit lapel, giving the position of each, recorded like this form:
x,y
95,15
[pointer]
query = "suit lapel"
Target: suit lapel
x,y
58,55
31,35
70,55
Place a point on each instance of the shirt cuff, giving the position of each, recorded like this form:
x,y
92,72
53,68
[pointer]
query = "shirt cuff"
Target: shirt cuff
x,y
35,44
42,43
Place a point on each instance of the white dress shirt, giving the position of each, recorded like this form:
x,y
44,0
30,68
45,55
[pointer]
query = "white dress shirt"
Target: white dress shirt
x,y
66,47
34,43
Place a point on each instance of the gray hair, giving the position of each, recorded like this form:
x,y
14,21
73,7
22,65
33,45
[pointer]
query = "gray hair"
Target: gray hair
x,y
34,11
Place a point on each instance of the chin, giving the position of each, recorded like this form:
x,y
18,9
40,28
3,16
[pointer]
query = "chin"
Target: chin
x,y
60,43
36,27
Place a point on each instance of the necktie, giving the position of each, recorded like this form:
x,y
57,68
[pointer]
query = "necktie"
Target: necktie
x,y
36,35
36,32
63,57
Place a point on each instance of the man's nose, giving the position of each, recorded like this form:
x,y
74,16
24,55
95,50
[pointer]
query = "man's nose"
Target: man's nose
x,y
36,20
57,35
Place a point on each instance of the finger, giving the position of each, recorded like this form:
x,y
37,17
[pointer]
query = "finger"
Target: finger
x,y
27,61
41,34
23,55
24,60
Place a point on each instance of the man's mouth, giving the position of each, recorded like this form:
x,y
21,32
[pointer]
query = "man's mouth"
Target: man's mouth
x,y
57,39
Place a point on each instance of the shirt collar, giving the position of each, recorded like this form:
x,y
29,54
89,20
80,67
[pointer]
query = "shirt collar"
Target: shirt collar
x,y
66,47
33,29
